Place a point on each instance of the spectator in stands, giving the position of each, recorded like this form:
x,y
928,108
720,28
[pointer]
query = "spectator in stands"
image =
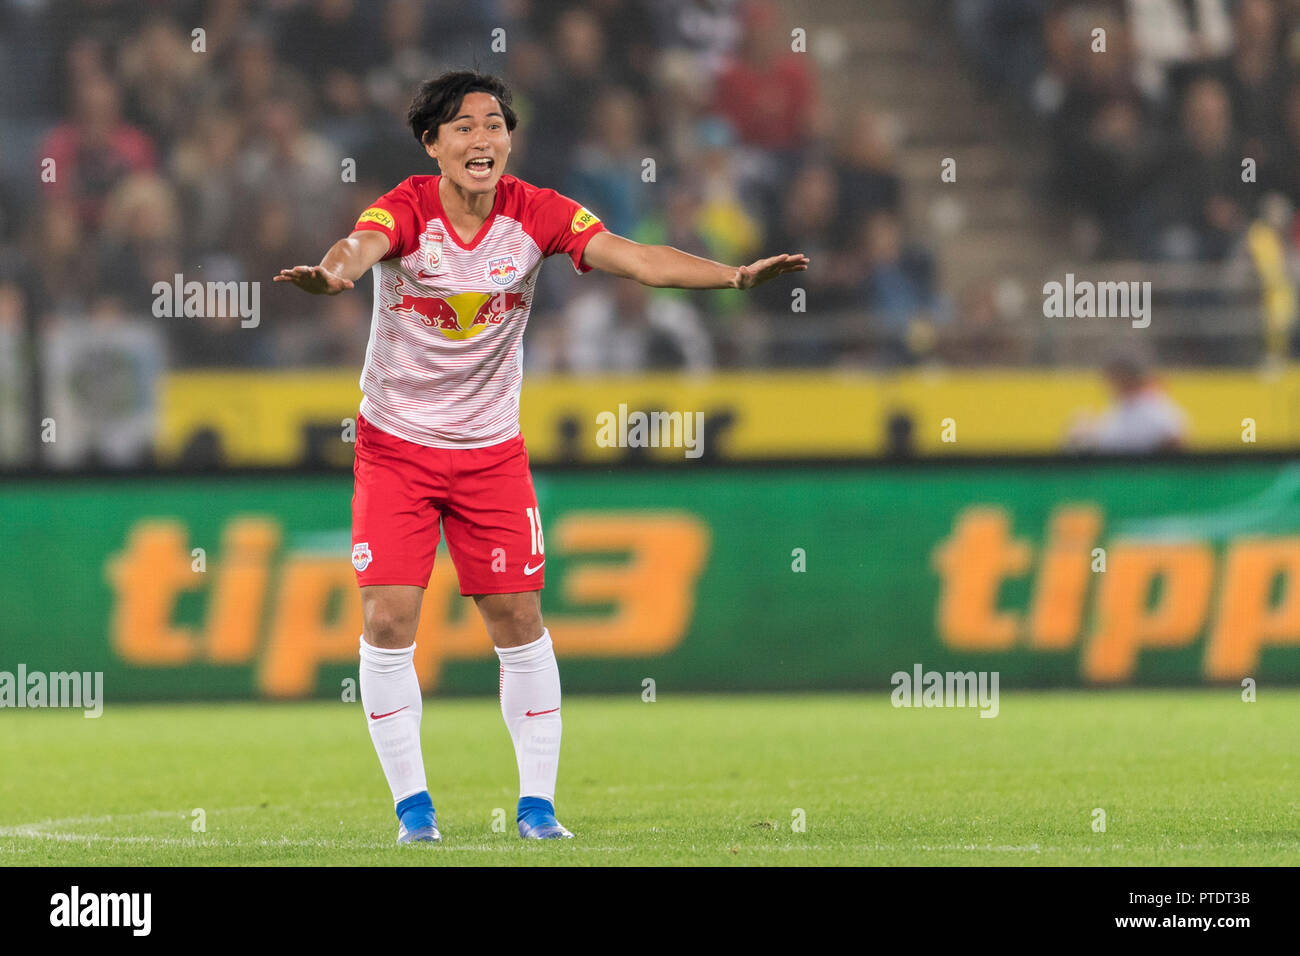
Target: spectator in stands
x,y
1176,37
205,168
1282,174
1255,75
64,282
388,153
404,56
809,215
1142,418
140,241
1205,203
607,167
705,35
899,289
333,335
289,163
1116,162
1002,36
767,90
674,223
630,39
1097,81
620,326
252,75
327,44
980,335
866,168
729,226
892,281
94,151
161,75
579,67
1061,58
86,55
767,94
678,101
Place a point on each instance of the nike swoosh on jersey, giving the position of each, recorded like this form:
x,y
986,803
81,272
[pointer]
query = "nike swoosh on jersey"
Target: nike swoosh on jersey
x,y
529,713
374,716
529,569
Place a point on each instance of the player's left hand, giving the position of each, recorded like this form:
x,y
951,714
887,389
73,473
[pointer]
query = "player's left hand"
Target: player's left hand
x,y
757,273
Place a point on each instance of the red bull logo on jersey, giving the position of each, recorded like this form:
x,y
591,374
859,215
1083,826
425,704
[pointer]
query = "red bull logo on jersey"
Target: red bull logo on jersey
x,y
502,271
460,316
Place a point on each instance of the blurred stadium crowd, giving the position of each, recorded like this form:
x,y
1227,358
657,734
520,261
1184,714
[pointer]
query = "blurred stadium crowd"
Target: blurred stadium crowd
x,y
133,149
228,164
1148,140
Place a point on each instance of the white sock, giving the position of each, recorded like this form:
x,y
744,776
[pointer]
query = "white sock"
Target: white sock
x,y
391,691
530,684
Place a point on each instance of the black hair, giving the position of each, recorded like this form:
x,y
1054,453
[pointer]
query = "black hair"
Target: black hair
x,y
438,99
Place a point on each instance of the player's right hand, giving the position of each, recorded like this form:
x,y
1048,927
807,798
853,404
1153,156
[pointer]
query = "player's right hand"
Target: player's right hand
x,y
315,279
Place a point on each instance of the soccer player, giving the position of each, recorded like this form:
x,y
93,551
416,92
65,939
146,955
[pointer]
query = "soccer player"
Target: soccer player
x,y
455,259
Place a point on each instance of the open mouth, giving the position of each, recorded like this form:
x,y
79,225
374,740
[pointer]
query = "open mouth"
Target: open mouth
x,y
480,168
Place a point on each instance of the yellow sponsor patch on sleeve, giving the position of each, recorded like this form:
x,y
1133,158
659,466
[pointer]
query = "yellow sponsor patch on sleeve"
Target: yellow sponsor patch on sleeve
x,y
378,216
581,220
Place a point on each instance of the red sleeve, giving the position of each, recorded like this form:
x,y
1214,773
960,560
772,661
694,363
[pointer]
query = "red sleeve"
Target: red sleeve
x,y
397,215
560,225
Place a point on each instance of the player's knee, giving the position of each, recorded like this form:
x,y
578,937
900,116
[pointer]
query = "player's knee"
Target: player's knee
x,y
389,626
524,626
513,621
526,623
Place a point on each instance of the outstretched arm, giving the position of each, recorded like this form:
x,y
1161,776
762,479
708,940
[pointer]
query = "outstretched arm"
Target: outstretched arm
x,y
666,267
347,260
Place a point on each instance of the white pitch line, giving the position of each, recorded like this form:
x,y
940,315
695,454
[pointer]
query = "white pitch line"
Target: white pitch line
x,y
319,844
25,829
52,829
55,829
110,817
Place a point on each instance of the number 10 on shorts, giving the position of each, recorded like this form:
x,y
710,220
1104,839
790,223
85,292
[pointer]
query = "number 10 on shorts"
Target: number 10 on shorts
x,y
535,529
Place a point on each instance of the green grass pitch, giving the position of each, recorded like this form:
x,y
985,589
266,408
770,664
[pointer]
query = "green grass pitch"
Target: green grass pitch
x,y
1184,777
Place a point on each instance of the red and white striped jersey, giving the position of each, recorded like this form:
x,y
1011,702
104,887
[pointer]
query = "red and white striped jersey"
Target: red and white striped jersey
x,y
445,360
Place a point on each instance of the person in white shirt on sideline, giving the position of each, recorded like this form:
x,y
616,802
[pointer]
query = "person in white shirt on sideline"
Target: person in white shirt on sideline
x,y
1142,418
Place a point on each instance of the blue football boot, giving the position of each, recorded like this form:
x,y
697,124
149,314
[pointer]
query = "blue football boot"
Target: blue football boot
x,y
417,820
537,821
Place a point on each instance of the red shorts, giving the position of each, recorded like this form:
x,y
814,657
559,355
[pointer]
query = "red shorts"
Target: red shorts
x,y
483,496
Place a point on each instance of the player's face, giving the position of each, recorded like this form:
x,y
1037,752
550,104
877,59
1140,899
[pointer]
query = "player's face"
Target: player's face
x,y
472,149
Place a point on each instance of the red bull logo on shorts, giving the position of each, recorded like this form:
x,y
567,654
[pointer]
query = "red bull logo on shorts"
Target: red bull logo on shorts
x,y
361,555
